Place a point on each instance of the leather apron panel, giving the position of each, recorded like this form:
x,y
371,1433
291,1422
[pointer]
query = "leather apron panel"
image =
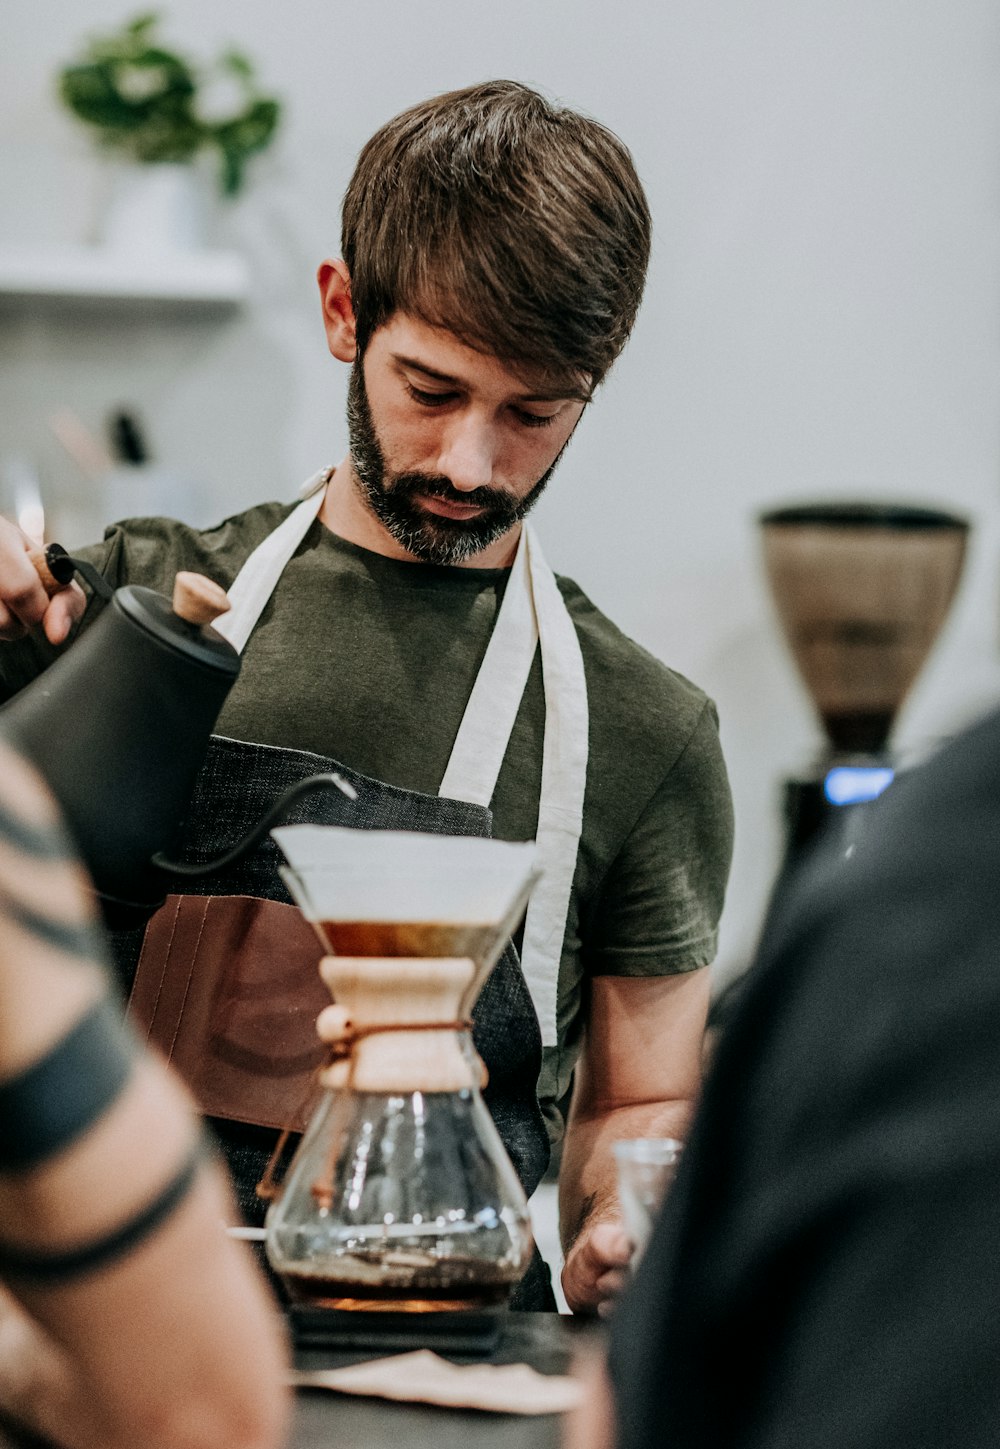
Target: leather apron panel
x,y
234,947
227,988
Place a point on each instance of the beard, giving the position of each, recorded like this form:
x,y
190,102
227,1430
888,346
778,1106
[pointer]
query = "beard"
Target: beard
x,y
394,498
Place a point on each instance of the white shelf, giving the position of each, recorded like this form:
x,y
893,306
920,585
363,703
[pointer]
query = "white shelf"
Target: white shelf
x,y
97,273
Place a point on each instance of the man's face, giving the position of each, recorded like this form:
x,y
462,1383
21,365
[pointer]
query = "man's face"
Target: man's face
x,y
450,448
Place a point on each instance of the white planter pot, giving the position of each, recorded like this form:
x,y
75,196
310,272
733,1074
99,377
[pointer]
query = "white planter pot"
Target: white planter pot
x,y
160,207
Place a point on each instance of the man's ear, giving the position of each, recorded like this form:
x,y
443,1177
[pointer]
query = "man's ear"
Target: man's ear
x,y
338,314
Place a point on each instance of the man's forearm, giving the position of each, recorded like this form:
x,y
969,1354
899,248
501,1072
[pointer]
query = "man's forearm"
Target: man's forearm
x,y
638,1076
588,1191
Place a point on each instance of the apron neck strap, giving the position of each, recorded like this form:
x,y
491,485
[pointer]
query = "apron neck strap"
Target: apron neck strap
x,y
256,580
532,611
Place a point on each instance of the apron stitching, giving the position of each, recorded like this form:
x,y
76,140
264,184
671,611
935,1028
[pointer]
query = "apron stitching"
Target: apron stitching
x,y
187,984
163,969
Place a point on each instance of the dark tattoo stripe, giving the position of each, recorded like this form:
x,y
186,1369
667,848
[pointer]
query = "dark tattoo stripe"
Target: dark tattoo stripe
x,y
44,1268
72,938
53,1102
41,842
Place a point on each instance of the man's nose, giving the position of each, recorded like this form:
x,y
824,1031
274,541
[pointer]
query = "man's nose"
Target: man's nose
x,y
467,453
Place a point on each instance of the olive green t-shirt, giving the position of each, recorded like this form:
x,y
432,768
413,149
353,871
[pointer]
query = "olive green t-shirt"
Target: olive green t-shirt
x,y
370,660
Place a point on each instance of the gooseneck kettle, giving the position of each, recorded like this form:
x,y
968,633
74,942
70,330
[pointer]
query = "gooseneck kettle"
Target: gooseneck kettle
x,y
119,727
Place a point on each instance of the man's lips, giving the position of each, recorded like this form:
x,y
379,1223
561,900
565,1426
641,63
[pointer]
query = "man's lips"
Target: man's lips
x,y
447,508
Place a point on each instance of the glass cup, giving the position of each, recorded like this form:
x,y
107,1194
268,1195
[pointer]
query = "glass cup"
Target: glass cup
x,y
645,1167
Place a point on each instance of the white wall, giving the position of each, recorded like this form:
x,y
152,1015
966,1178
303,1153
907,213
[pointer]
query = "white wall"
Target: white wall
x,y
822,315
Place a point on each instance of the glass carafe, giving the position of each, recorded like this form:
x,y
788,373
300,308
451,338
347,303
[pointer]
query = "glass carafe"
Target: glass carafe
x,y
401,1196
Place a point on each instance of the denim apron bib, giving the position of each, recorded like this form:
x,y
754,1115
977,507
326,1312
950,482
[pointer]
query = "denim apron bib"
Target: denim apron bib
x,y
225,979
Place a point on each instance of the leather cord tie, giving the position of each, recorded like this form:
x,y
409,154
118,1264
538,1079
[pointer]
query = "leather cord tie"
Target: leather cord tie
x,y
344,1046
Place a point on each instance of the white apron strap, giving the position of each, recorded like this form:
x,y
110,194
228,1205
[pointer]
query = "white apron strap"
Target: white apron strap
x,y
564,784
256,580
533,608
481,742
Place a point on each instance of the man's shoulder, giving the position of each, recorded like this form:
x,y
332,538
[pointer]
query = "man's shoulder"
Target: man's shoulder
x,y
151,550
625,680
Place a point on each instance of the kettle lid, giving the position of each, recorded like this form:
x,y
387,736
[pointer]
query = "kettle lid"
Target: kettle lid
x,y
198,642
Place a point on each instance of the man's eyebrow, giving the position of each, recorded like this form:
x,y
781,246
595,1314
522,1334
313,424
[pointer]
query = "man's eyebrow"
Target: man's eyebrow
x,y
560,394
417,366
547,395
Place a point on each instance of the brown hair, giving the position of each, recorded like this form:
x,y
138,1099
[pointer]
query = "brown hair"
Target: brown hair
x,y
519,226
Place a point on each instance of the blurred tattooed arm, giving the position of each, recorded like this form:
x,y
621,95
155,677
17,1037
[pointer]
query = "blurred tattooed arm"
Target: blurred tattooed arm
x,y
127,1316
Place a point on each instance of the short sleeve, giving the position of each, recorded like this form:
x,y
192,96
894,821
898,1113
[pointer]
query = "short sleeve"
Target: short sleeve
x,y
657,912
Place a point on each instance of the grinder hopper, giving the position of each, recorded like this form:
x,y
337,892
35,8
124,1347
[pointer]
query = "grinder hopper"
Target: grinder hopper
x,y
862,590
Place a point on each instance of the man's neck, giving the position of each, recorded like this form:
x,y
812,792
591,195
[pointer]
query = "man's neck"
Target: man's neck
x,y
345,513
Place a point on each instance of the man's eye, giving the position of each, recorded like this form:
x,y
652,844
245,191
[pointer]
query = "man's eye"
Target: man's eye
x,y
429,399
535,420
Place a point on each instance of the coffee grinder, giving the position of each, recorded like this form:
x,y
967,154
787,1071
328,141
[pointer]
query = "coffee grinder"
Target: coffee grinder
x,y
862,590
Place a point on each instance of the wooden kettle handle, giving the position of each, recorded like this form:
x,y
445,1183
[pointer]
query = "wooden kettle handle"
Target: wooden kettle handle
x,y
197,599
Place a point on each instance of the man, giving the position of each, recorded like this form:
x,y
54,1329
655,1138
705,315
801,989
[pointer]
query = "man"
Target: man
x,y
126,1316
827,1269
402,624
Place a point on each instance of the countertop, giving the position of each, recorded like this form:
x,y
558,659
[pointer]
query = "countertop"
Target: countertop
x,y
325,1420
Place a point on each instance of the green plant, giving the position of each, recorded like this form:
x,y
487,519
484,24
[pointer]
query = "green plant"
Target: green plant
x,y
151,104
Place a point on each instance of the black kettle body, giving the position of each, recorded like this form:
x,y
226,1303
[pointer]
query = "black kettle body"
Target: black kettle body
x,y
119,727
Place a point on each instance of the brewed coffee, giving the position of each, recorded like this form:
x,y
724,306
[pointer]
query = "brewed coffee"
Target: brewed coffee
x,y
453,1284
407,938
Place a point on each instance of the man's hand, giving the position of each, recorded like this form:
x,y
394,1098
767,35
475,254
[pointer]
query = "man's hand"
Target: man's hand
x,y
638,1076
596,1269
23,601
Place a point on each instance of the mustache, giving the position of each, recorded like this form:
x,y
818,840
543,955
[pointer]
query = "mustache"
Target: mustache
x,y
431,485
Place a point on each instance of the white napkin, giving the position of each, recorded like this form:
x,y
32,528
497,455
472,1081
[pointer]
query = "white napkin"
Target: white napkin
x,y
425,1378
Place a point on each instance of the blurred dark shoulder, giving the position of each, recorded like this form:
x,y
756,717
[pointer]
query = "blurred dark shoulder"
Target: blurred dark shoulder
x,y
907,921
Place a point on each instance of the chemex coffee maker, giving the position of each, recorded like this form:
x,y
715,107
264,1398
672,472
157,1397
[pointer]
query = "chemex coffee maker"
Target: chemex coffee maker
x,y
401,1198
862,590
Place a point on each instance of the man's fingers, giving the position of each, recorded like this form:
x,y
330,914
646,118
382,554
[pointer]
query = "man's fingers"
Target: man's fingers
x,y
23,600
595,1270
609,1246
65,608
57,619
610,1286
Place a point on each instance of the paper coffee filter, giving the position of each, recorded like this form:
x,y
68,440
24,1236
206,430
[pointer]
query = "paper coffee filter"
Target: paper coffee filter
x,y
340,874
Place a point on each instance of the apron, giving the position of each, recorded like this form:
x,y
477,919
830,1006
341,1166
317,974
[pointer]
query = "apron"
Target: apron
x,y
224,981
